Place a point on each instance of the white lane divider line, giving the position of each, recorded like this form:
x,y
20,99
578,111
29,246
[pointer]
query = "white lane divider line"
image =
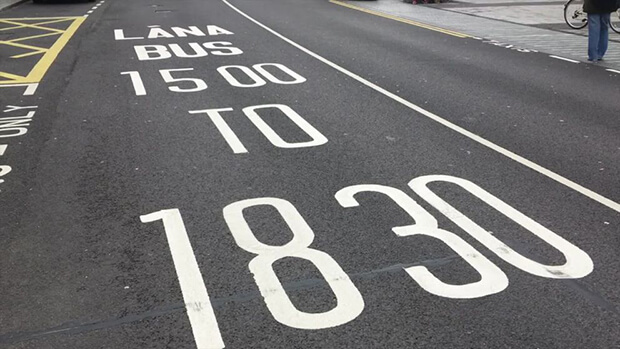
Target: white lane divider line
x,y
564,59
3,148
94,8
523,161
614,71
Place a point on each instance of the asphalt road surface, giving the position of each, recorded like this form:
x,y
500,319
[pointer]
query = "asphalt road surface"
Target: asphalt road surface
x,y
299,174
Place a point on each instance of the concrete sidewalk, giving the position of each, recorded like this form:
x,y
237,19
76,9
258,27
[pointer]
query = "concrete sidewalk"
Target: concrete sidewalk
x,y
4,4
528,24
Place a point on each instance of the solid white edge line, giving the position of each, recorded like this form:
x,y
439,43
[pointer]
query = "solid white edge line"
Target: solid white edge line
x,y
3,148
564,59
614,71
523,161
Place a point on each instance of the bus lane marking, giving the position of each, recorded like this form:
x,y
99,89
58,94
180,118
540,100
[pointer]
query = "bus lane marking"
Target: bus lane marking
x,y
478,139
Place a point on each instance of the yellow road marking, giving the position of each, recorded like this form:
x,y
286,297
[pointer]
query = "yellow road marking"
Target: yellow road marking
x,y
49,54
55,20
33,37
10,76
28,54
29,47
26,25
402,20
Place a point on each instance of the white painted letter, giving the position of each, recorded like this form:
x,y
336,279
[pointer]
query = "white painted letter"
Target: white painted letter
x,y
222,51
18,131
215,30
198,51
274,138
152,52
156,32
221,125
182,33
119,34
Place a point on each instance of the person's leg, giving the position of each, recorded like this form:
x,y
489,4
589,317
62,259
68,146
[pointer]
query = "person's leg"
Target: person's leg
x,y
594,32
604,37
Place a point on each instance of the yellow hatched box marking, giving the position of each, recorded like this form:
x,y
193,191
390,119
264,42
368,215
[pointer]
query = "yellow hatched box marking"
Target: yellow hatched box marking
x,y
49,55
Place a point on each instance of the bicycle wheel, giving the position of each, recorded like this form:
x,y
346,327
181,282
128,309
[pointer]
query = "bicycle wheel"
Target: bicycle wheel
x,y
614,23
574,15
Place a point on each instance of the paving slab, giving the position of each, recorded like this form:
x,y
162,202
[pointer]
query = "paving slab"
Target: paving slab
x,y
9,3
565,44
522,14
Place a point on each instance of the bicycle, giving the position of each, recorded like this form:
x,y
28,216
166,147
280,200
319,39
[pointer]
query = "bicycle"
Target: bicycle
x,y
576,18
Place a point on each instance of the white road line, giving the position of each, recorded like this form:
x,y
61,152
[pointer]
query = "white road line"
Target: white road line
x,y
3,148
564,59
523,161
30,88
94,8
614,71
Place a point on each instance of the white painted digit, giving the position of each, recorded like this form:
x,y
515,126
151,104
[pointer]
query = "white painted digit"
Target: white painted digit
x,y
492,279
578,263
197,302
4,170
297,79
349,301
166,74
257,80
273,137
136,80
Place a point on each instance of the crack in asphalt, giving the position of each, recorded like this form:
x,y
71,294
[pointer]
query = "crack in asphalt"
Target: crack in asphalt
x,y
73,327
77,328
